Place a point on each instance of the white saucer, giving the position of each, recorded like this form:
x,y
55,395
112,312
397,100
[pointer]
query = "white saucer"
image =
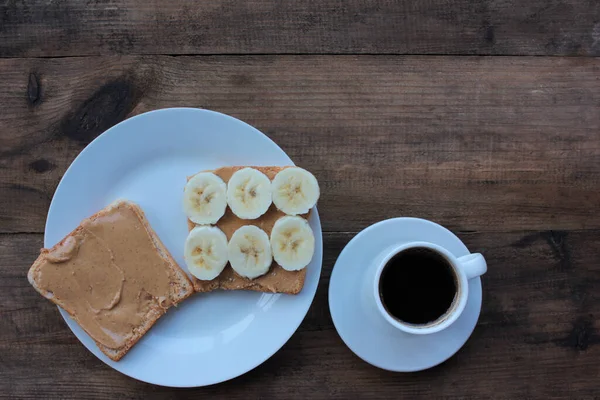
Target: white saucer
x,y
358,322
210,337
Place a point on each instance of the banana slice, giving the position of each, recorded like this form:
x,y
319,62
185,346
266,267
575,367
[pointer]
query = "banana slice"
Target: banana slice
x,y
249,193
250,252
295,191
293,243
205,252
204,198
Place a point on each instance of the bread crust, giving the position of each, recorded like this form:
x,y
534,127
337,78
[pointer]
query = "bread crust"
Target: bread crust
x,y
181,286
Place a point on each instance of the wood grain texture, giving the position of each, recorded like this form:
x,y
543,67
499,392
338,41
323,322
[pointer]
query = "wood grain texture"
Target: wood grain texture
x,y
538,335
34,28
505,151
474,143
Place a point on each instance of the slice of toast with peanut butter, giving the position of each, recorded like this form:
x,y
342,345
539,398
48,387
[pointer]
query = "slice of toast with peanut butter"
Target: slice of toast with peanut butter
x,y
277,280
113,275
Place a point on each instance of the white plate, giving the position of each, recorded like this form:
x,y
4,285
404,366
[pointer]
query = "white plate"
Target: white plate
x,y
210,337
363,328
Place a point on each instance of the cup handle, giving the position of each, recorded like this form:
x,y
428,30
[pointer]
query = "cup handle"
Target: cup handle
x,y
473,265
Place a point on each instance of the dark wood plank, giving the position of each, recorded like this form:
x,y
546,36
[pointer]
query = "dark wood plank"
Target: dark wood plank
x,y
487,144
33,28
538,335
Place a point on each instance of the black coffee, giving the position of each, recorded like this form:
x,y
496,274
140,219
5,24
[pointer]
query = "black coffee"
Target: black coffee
x,y
417,286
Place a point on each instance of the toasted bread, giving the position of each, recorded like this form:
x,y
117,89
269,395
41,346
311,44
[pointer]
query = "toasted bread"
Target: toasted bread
x,y
277,280
177,284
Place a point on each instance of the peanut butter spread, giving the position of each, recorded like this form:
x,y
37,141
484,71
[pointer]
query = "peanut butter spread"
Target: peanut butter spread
x,y
277,279
109,274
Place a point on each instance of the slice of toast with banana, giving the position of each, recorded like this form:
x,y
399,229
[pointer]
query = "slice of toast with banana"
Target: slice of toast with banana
x,y
249,228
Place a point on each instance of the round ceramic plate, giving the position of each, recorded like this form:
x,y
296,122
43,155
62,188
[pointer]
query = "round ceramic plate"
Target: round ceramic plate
x,y
358,322
211,337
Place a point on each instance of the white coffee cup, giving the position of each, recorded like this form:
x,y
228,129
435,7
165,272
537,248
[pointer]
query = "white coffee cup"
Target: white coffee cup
x,y
463,268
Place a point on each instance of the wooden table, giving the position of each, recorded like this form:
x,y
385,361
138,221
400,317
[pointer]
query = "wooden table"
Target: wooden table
x,y
483,116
